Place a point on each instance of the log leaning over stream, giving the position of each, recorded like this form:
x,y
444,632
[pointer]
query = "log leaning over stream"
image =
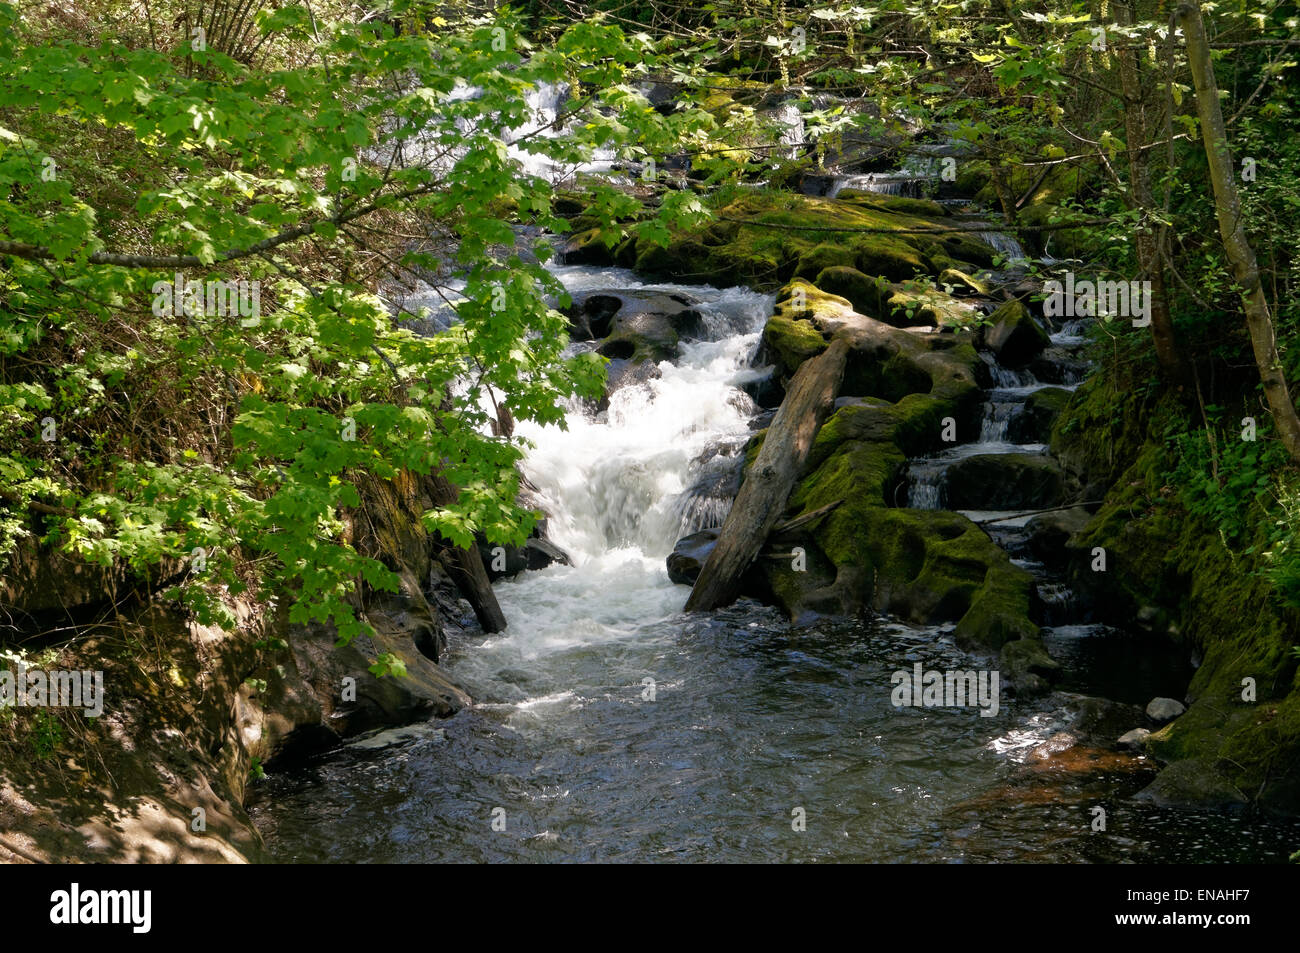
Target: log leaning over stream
x,y
771,477
465,566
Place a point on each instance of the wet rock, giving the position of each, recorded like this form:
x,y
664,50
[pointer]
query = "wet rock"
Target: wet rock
x,y
1057,365
635,325
1034,424
1049,534
536,553
688,556
623,373
1161,710
1014,336
1134,740
766,391
1100,720
592,317
1193,783
1005,481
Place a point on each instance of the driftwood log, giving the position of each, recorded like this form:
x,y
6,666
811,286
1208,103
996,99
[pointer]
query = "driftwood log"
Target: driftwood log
x,y
771,477
465,566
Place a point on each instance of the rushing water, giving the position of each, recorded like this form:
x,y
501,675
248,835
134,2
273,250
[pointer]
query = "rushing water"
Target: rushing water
x,y
609,726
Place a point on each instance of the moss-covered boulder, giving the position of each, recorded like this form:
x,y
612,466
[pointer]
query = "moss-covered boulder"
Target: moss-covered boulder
x,y
910,306
586,247
1005,481
867,295
1169,574
865,553
884,361
1014,336
1035,423
766,238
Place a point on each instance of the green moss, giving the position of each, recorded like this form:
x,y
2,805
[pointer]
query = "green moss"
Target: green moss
x,y
1161,557
959,280
867,295
778,235
789,342
929,306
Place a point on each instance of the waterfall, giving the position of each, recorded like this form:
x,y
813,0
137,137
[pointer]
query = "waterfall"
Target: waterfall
x,y
884,183
624,479
1004,243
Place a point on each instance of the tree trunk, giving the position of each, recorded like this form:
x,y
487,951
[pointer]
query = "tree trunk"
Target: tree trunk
x,y
770,479
466,568
1148,251
1245,269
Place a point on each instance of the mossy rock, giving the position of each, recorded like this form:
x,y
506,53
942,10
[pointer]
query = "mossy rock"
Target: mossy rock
x,y
924,208
962,283
924,566
1042,408
1024,661
929,307
824,256
1014,336
587,248
867,295
1161,557
1005,481
766,238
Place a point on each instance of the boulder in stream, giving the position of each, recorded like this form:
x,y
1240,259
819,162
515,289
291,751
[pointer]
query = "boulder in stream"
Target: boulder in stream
x,y
1014,336
688,556
1005,481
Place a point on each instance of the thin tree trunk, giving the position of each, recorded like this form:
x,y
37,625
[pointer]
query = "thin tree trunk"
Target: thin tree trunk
x,y
1245,269
771,477
1148,247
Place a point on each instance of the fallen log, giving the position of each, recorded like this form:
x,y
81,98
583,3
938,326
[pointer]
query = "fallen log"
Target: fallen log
x,y
762,497
465,566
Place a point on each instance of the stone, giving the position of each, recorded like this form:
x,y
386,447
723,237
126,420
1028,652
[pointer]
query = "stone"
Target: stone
x,y
1014,336
1161,710
1134,740
688,556
1005,481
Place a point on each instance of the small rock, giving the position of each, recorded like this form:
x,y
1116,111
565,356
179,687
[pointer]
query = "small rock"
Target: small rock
x,y
1135,739
1164,709
689,555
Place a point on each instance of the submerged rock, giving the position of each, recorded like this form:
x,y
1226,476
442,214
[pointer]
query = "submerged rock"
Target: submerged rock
x,y
1194,783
